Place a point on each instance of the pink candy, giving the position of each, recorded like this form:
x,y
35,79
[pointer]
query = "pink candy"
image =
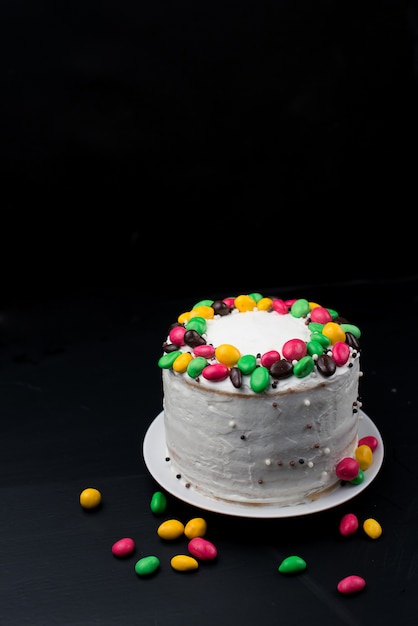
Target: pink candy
x,y
176,335
294,349
215,372
351,584
202,549
347,469
370,441
280,307
320,315
123,547
269,358
340,353
205,350
348,524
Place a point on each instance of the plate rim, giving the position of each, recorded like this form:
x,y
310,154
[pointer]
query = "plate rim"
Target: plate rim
x,y
162,473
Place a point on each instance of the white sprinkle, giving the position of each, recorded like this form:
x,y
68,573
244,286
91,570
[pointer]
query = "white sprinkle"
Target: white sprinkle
x,y
326,451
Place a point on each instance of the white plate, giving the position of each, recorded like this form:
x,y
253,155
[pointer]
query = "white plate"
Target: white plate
x,y
155,453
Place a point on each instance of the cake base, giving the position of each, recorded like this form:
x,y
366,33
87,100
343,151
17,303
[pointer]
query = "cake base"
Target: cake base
x,y
155,454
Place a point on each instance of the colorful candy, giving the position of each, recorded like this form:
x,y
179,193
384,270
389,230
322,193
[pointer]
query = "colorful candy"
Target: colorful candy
x,y
292,564
195,527
351,584
372,528
184,563
123,547
364,456
202,549
90,498
348,524
147,565
347,468
158,502
170,529
370,441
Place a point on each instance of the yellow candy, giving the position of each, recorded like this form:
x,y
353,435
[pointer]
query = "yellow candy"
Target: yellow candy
x,y
90,498
184,563
170,529
334,332
244,303
372,528
183,317
364,456
195,527
264,304
182,361
207,312
227,354
313,305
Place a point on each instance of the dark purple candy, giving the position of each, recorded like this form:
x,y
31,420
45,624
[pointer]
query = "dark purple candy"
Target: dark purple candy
x,y
326,365
236,377
281,369
352,341
170,347
220,307
193,339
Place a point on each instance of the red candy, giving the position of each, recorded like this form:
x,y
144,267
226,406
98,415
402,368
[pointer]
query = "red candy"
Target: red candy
x,y
320,315
216,372
202,549
370,441
349,524
280,307
340,353
206,350
269,358
347,468
351,584
294,349
123,547
176,335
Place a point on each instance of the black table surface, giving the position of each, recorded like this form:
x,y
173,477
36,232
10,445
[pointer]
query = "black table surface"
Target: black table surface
x,y
80,386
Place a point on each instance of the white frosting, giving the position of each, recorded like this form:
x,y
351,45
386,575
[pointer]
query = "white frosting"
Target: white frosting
x,y
280,446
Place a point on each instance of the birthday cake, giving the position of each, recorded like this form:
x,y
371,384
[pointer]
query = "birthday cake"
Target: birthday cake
x,y
260,398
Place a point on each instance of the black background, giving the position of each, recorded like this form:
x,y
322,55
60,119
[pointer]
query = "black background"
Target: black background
x,y
224,138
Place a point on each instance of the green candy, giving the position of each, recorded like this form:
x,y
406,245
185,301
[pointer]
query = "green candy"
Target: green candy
x,y
315,327
196,366
247,364
322,339
147,565
333,313
315,347
358,479
203,303
158,502
255,296
300,308
198,324
166,361
350,328
260,379
304,367
292,564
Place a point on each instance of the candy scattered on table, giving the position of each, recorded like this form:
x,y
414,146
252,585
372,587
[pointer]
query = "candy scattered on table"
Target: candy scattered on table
x,y
372,528
170,529
147,565
292,564
158,502
195,527
351,584
202,549
349,524
90,498
123,547
184,563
